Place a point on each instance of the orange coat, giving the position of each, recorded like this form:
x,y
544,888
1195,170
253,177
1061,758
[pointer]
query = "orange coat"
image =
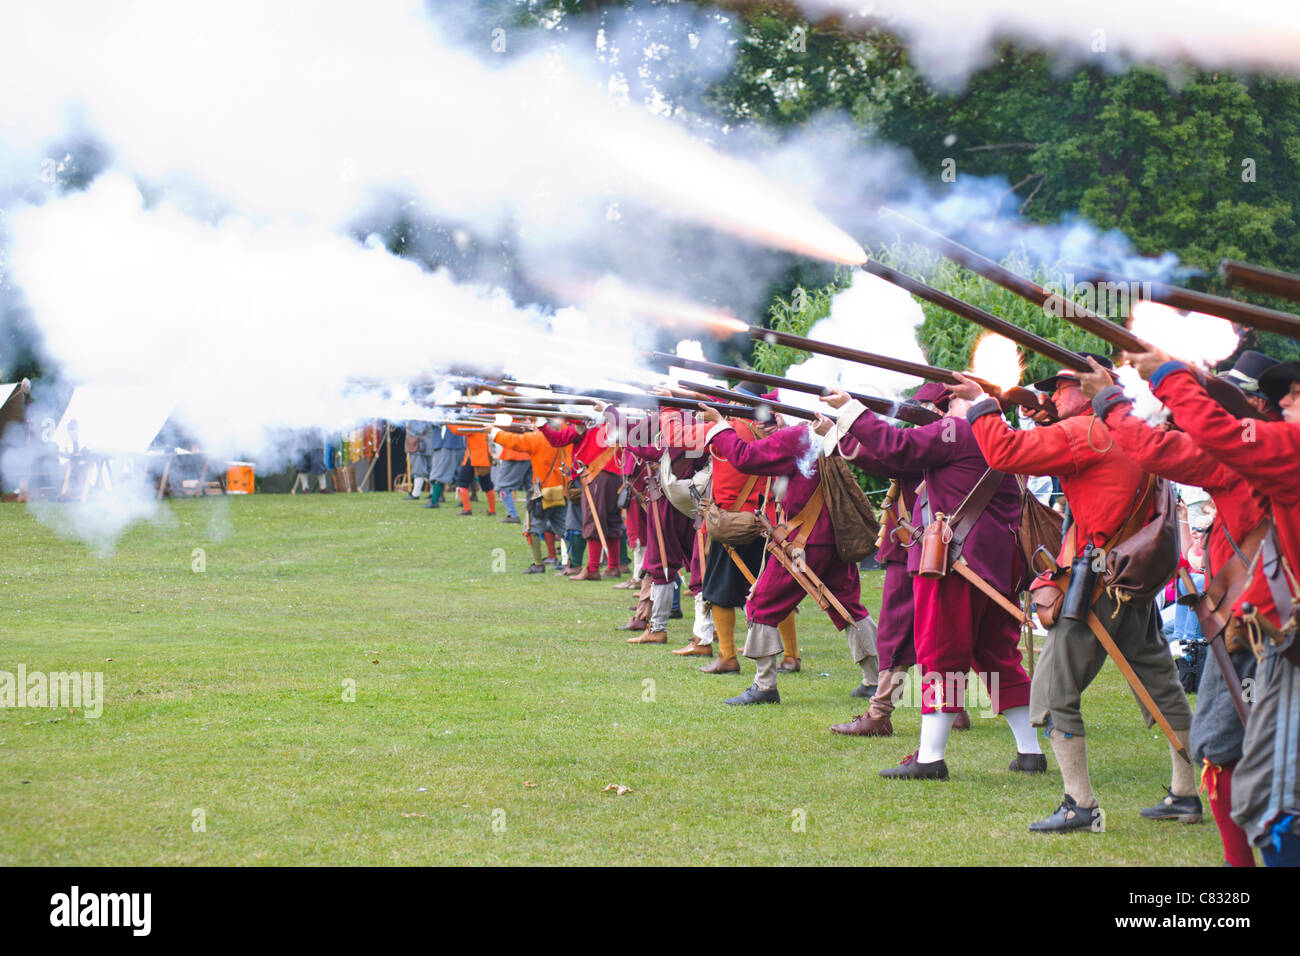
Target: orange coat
x,y
476,447
546,458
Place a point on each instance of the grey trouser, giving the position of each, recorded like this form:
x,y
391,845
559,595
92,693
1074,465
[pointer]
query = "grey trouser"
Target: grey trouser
x,y
1266,780
661,605
861,636
1072,656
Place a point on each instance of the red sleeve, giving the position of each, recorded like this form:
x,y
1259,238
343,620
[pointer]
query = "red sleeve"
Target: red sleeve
x,y
559,437
1169,454
677,434
778,454
1046,450
1265,453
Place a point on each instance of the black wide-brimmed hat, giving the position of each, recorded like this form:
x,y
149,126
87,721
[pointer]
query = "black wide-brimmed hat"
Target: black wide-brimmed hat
x,y
1276,381
1246,372
1049,384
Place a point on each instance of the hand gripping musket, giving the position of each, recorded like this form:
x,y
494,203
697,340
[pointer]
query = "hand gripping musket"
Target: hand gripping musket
x,y
933,373
903,412
1225,393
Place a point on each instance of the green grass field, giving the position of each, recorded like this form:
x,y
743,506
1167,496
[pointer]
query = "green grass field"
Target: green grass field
x,y
491,709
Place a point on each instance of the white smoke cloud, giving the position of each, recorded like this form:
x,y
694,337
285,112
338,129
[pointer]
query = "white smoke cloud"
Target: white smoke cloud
x,y
307,111
871,315
950,39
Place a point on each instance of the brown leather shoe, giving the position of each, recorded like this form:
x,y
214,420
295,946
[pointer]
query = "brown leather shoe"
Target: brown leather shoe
x,y
613,573
650,637
585,575
789,665
962,721
864,725
722,665
636,624
695,649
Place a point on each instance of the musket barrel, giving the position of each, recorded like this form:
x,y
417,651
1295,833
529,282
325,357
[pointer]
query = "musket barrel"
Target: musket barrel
x,y
1035,343
931,372
907,413
1243,313
1086,319
1284,285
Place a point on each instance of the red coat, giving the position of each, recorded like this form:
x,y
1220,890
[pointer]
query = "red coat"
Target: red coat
x,y
1100,481
1174,455
1266,454
587,445
728,481
789,453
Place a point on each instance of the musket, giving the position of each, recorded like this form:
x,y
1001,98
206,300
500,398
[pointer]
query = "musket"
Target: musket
x,y
1284,285
933,373
1225,393
1243,313
903,412
1022,337
744,398
636,400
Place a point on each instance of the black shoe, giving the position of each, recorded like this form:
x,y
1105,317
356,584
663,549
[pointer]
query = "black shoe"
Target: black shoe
x,y
1069,816
1029,763
432,504
913,769
865,691
675,615
462,514
509,520
1183,809
753,695
536,569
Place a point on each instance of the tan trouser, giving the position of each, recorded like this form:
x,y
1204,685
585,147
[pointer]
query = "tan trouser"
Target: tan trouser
x,y
1072,656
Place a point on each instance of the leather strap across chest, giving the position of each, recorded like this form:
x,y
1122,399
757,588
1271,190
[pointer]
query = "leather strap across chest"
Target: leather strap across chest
x,y
804,521
595,466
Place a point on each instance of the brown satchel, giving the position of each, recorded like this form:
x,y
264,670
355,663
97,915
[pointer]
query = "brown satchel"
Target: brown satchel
x,y
1040,527
1049,594
1142,561
1214,609
733,526
857,529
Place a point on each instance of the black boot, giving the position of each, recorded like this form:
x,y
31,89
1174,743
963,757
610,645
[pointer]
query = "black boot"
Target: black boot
x,y
1069,816
753,695
1183,809
1029,763
913,769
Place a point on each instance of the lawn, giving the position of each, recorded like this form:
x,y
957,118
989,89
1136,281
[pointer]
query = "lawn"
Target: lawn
x,y
491,710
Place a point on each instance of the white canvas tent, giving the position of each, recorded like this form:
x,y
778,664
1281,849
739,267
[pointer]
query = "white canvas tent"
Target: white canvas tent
x,y
104,424
13,411
112,419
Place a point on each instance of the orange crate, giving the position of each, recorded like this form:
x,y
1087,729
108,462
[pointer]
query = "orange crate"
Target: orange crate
x,y
239,479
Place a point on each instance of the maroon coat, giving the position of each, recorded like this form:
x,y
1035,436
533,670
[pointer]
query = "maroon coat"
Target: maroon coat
x,y
786,453
662,566
949,459
791,454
